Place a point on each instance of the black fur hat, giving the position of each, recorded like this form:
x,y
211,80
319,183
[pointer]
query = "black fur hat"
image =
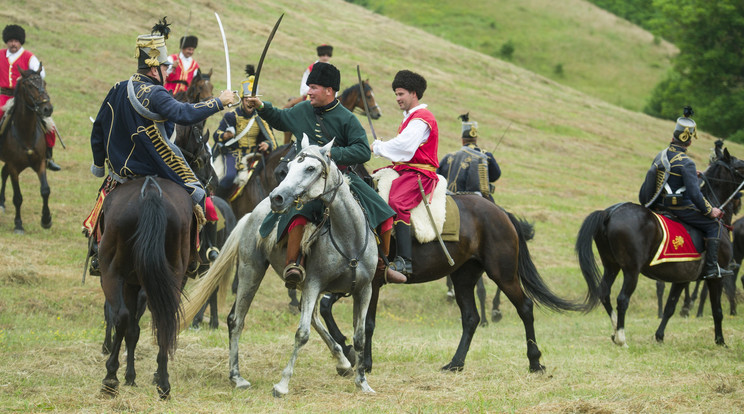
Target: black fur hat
x,y
324,50
325,74
189,41
410,81
13,31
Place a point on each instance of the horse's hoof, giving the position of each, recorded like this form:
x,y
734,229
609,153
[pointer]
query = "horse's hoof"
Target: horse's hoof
x,y
2,209
294,309
350,355
364,387
660,339
19,231
164,394
46,225
496,316
277,392
110,388
344,372
540,369
241,383
453,367
484,323
130,383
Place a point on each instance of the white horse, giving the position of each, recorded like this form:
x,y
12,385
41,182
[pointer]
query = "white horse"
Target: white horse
x,y
343,259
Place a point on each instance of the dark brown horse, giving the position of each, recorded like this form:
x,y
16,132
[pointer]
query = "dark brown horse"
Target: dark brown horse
x,y
148,228
492,240
627,235
351,99
22,144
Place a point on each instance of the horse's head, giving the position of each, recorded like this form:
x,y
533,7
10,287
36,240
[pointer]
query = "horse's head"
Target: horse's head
x,y
307,178
191,140
201,89
352,99
726,175
374,109
31,92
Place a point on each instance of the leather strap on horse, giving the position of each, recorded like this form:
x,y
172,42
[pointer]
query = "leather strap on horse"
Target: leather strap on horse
x,y
7,92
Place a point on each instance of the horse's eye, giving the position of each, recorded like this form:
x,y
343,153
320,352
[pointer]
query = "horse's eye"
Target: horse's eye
x,y
310,169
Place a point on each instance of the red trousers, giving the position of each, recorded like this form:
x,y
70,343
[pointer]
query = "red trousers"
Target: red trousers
x,y
405,193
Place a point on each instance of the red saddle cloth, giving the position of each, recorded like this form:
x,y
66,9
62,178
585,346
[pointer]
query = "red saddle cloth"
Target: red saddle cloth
x,y
676,244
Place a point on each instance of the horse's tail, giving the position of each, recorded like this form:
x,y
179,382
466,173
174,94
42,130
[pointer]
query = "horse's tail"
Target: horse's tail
x,y
532,282
217,276
155,272
592,227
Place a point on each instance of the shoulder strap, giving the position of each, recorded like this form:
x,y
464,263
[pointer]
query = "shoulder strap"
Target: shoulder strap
x,y
667,166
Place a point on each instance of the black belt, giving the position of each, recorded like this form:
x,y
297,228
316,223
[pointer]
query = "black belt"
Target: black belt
x,y
7,92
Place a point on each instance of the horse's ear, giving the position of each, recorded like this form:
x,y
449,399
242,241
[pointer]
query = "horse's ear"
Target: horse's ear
x,y
719,154
726,154
326,150
210,72
305,141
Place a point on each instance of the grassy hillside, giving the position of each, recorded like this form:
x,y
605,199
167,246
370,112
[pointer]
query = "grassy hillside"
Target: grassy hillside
x,y
571,42
563,155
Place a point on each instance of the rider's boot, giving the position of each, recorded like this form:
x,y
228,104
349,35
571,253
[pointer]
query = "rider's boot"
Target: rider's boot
x,y
711,270
51,165
389,275
94,268
294,272
210,238
402,263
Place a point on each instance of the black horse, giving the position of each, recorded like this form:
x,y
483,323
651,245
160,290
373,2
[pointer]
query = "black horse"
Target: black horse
x,y
493,241
627,236
22,143
148,230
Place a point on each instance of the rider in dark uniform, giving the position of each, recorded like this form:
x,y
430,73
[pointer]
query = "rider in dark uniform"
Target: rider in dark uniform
x,y
470,169
680,193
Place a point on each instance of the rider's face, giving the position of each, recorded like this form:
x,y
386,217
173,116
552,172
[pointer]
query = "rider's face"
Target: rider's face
x,y
405,99
320,95
13,45
187,51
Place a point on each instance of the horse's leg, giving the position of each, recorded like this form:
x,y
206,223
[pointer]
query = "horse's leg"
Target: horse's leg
x,y
17,201
4,172
214,317
496,306
369,324
715,287
199,318
361,305
481,291
326,312
108,318
703,296
450,289
294,304
131,299
310,295
608,279
46,215
251,276
343,366
729,288
630,281
671,305
660,298
120,315
464,280
686,304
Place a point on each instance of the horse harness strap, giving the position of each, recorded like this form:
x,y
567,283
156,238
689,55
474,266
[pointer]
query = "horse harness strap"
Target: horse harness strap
x,y
6,91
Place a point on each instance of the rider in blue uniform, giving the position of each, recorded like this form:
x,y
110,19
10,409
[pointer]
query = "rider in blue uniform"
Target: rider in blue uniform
x,y
681,195
132,129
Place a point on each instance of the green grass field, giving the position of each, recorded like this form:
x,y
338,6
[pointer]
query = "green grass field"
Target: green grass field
x,y
564,154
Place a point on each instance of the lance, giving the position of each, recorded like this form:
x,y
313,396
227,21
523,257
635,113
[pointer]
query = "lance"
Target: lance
x,y
188,24
263,55
366,106
227,56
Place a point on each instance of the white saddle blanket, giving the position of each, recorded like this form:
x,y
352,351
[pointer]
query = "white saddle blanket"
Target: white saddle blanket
x,y
420,222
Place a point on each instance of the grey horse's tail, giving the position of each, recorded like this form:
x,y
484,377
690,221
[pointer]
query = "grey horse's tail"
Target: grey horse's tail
x,y
218,276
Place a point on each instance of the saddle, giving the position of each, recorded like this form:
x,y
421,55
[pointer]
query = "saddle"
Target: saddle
x,y
443,209
679,243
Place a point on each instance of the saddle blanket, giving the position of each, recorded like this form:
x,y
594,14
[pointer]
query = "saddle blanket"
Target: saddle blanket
x,y
443,208
676,244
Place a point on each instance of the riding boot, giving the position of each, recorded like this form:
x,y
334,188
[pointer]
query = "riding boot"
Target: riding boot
x,y
210,238
94,268
51,165
390,275
294,272
711,270
402,262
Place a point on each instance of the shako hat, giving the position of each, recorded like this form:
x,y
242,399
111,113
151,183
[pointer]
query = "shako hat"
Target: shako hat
x,y
469,128
325,50
324,74
13,31
247,85
685,127
151,49
189,41
410,81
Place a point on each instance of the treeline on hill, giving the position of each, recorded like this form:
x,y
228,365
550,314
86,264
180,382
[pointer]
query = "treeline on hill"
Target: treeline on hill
x,y
708,73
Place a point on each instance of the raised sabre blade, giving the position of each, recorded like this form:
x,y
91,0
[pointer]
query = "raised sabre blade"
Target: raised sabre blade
x,y
227,54
263,55
366,106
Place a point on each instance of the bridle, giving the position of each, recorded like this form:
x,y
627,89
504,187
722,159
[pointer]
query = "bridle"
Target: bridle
x,y
366,87
37,83
737,178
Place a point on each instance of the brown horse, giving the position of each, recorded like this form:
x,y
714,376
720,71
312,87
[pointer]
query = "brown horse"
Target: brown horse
x,y
491,240
22,144
627,235
148,228
351,99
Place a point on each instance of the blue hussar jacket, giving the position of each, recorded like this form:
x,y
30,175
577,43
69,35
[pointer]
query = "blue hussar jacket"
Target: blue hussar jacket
x,y
134,141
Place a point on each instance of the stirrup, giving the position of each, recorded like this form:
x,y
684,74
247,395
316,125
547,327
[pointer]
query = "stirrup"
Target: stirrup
x,y
391,267
293,275
212,254
94,268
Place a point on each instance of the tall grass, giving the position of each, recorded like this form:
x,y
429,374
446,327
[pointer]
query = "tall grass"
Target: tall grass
x,y
563,155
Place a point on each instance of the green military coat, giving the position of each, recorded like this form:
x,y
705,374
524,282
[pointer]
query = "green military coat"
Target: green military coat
x,y
350,147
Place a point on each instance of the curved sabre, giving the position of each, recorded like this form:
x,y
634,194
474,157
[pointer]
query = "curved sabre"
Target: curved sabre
x,y
364,99
227,54
263,55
